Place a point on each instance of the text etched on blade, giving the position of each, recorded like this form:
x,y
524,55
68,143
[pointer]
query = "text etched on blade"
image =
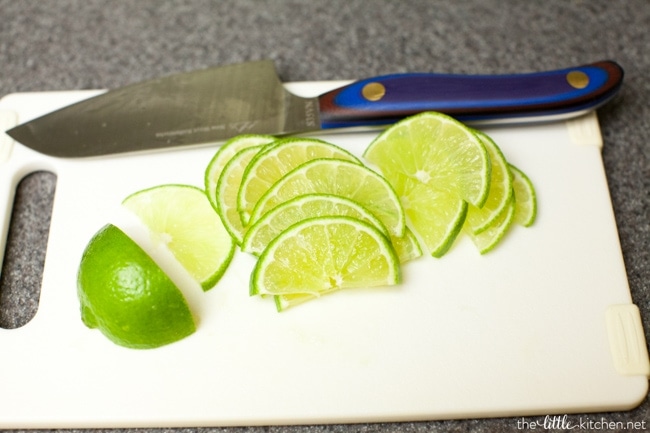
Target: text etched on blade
x,y
310,114
236,127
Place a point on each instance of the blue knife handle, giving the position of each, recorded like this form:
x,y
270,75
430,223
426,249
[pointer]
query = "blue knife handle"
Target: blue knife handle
x,y
386,99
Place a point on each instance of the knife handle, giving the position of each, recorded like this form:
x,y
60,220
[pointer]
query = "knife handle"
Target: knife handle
x,y
386,99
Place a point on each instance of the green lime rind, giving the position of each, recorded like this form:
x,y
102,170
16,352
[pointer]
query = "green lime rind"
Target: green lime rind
x,y
228,188
276,160
320,255
284,302
489,238
338,177
407,246
181,217
125,294
435,215
500,193
525,198
224,154
435,149
438,167
299,208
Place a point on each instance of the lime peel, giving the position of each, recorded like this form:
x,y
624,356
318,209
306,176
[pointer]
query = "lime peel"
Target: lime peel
x,y
127,296
525,198
488,239
225,152
338,177
324,254
433,148
499,194
302,207
437,166
182,217
227,190
277,159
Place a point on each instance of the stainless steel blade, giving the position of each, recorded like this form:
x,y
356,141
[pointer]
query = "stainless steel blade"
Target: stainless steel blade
x,y
209,105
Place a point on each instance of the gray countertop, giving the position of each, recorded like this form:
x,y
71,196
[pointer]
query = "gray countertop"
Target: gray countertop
x,y
96,44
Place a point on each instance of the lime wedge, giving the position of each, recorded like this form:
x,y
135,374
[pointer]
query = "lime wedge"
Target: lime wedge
x,y
436,216
342,178
284,302
500,194
228,188
525,198
407,246
181,217
325,254
278,219
275,161
126,295
486,240
223,155
433,149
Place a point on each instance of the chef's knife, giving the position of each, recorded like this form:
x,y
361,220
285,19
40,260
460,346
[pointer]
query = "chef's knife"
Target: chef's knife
x,y
215,104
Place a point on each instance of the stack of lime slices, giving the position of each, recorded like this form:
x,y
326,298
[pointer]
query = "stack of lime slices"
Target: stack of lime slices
x,y
317,218
452,179
306,191
439,178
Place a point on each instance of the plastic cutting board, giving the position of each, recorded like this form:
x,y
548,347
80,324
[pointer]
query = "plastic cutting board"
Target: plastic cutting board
x,y
543,324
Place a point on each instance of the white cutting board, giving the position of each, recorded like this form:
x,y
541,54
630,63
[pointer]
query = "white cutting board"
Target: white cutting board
x,y
522,330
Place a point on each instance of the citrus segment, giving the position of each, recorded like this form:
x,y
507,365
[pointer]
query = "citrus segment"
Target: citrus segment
x,y
434,149
436,216
228,188
275,161
494,233
525,198
407,247
224,154
260,234
181,217
126,295
284,302
342,178
500,193
325,254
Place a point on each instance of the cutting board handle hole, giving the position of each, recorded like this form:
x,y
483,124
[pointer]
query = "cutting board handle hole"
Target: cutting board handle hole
x,y
22,267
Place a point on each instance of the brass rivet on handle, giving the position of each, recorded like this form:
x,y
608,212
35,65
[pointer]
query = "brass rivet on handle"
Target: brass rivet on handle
x,y
373,91
577,79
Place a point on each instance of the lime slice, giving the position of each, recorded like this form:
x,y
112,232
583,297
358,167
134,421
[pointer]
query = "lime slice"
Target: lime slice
x,y
181,217
223,155
277,160
126,295
493,234
284,302
433,149
436,216
479,219
342,178
407,247
325,254
228,188
525,198
278,219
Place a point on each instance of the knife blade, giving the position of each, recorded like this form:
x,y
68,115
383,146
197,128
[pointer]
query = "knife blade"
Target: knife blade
x,y
214,104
